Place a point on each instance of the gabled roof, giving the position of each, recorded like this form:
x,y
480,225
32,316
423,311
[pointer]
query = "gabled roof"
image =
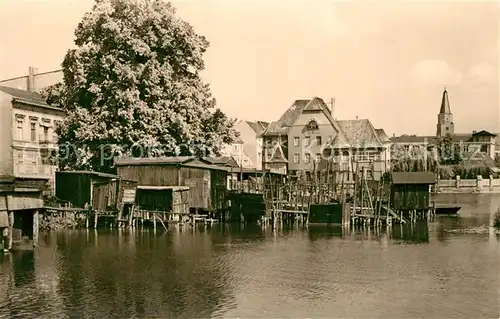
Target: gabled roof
x,y
483,133
259,127
413,178
283,125
445,103
381,135
222,160
360,133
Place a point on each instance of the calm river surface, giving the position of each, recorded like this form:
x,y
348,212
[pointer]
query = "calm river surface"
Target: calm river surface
x,y
228,272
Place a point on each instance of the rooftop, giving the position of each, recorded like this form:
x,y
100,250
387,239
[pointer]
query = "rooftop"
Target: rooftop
x,y
413,178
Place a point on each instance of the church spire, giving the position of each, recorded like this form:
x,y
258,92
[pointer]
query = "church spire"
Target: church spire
x,y
445,103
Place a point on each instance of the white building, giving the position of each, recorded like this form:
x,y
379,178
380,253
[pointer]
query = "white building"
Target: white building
x,y
28,135
247,149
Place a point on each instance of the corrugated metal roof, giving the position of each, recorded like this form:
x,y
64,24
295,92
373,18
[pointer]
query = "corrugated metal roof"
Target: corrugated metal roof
x,y
413,178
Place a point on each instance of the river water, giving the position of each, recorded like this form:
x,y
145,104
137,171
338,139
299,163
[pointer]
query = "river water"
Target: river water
x,y
248,272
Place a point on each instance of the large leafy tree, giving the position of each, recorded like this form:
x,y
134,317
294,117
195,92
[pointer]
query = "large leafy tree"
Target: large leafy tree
x,y
132,87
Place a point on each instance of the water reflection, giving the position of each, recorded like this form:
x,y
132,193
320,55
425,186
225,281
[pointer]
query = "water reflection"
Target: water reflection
x,y
417,233
221,271
408,233
112,277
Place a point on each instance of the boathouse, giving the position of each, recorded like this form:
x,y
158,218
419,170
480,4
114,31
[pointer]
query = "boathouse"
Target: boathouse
x,y
207,183
104,192
170,203
19,211
410,191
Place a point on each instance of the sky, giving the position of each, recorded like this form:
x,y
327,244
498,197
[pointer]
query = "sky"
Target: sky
x,y
387,61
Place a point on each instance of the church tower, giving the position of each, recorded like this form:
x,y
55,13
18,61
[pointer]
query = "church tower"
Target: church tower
x,y
445,124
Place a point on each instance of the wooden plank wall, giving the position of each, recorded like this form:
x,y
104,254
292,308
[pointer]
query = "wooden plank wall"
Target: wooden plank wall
x,y
151,175
180,202
410,197
218,189
105,196
198,181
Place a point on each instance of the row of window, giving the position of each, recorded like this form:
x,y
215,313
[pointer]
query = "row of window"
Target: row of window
x,y
34,129
361,156
31,158
307,158
307,141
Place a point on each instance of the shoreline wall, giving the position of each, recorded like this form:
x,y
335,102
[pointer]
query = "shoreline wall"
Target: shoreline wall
x,y
477,185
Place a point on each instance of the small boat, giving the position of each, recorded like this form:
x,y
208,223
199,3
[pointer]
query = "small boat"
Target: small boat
x,y
450,210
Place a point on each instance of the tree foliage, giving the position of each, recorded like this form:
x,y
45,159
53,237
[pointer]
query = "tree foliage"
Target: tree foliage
x,y
133,87
449,154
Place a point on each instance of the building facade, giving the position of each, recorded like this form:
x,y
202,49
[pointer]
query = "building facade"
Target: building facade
x,y
28,137
307,135
247,149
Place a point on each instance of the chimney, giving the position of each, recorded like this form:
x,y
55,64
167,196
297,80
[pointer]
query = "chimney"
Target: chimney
x,y
357,117
31,79
393,134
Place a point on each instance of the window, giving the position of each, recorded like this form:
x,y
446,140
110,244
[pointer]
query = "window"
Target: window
x,y
318,140
318,157
33,131
296,141
19,129
45,134
307,141
307,160
296,158
312,125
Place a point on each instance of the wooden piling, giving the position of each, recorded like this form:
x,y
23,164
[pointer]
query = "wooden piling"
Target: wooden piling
x,y
35,227
11,229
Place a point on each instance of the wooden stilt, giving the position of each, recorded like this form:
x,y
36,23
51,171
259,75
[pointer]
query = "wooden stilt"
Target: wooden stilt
x,y
11,230
35,228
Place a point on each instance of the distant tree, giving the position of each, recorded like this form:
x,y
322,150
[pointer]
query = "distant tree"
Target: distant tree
x,y
448,153
497,160
133,85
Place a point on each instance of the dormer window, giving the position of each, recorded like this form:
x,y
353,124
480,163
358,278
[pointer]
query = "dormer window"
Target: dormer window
x,y
312,125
